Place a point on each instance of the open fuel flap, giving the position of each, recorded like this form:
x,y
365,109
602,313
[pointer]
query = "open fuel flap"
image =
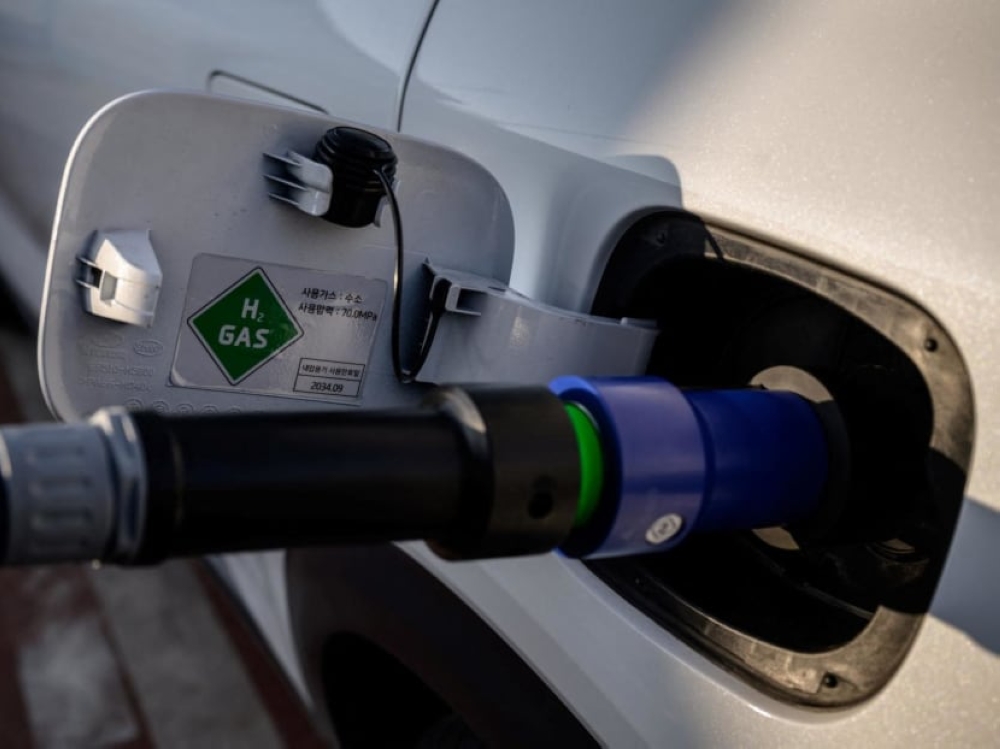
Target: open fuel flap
x,y
821,613
232,294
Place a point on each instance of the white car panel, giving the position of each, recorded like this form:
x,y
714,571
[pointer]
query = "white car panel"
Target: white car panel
x,y
861,134
864,136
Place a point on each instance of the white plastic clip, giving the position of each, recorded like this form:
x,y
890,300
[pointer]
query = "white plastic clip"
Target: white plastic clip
x,y
305,183
121,277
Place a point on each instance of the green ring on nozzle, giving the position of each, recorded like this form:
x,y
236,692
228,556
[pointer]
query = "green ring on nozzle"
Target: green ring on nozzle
x,y
588,441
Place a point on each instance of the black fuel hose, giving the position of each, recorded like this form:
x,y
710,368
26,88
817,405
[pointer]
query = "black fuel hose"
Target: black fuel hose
x,y
478,472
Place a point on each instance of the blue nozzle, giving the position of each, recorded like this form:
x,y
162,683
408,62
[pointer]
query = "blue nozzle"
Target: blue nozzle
x,y
678,461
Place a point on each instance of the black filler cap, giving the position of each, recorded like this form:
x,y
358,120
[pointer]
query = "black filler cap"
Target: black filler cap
x,y
354,156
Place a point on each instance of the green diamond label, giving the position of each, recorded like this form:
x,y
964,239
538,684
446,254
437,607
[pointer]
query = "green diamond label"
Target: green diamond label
x,y
264,330
245,326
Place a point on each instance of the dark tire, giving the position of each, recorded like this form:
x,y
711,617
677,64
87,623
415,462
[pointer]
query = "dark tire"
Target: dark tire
x,y
450,732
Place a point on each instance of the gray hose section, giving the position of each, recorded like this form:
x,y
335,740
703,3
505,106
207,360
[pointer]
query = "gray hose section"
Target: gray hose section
x,y
74,492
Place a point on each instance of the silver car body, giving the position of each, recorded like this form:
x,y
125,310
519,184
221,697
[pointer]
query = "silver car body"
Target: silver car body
x,y
864,135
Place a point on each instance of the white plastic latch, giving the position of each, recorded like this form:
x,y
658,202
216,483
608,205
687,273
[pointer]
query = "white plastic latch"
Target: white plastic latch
x,y
304,183
121,277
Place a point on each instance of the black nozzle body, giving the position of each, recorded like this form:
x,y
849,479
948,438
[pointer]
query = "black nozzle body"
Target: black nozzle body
x,y
479,473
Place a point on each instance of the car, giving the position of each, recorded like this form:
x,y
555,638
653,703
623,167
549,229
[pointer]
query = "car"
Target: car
x,y
780,186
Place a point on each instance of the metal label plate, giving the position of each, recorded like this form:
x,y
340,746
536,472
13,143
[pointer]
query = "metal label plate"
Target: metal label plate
x,y
253,327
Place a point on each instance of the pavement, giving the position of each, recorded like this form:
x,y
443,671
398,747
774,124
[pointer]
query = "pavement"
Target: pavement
x,y
129,658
